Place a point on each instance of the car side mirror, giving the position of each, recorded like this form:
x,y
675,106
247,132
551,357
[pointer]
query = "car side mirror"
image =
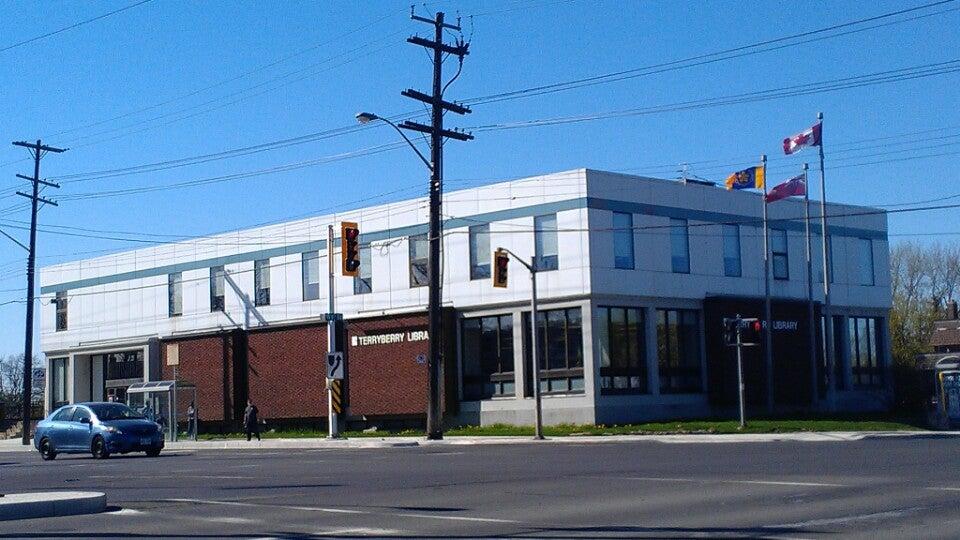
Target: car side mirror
x,y
84,420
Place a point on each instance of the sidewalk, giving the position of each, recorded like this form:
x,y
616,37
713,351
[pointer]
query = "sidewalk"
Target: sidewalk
x,y
13,445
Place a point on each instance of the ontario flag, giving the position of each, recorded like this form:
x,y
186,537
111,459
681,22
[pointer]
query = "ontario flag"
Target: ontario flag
x,y
810,137
794,186
751,178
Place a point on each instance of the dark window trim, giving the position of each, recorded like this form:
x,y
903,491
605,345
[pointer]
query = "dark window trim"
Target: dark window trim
x,y
261,295
785,255
673,367
546,374
479,266
627,235
422,262
640,370
61,302
504,359
217,302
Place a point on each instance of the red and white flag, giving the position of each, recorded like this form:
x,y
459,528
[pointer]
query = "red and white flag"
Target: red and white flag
x,y
794,186
809,137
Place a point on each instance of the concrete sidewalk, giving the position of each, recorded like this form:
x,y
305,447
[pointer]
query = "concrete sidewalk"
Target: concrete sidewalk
x,y
14,445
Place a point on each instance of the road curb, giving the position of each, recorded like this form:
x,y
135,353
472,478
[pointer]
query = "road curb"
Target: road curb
x,y
51,504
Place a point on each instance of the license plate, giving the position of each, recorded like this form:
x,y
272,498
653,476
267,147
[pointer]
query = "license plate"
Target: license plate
x,y
145,441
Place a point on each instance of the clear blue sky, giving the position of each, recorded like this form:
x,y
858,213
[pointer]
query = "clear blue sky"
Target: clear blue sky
x,y
353,57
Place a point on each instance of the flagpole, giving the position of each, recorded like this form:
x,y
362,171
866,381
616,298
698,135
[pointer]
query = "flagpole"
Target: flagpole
x,y
827,311
811,321
767,318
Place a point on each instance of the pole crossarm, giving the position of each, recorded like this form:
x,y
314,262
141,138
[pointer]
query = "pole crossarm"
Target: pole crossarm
x,y
450,134
461,49
44,182
429,100
39,147
39,198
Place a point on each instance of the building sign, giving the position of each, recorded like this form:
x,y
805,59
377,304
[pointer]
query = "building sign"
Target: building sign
x,y
173,354
389,338
790,326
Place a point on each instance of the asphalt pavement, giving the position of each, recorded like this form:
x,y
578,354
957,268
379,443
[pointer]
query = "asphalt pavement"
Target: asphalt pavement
x,y
883,488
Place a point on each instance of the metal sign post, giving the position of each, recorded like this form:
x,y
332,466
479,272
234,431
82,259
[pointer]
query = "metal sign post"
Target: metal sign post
x,y
734,337
333,420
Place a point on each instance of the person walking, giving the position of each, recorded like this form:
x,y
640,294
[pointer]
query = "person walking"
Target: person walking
x,y
192,421
251,423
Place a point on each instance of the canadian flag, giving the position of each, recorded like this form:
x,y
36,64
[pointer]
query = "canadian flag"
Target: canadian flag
x,y
810,137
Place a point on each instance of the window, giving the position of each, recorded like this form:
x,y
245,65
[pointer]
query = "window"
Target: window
x,y
817,245
865,262
310,274
839,379
865,368
545,242
419,256
175,294
79,413
64,415
731,251
781,261
216,288
559,349
58,382
61,302
121,365
623,240
623,365
679,246
487,357
678,350
480,254
261,282
363,282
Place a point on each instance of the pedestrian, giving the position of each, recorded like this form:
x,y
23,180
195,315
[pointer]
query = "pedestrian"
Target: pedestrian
x,y
250,422
192,421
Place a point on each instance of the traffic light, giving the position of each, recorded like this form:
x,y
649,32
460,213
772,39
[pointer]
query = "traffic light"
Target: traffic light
x,y
500,261
350,244
751,331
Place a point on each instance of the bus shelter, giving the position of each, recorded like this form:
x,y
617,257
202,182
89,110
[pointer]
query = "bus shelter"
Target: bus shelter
x,y
163,403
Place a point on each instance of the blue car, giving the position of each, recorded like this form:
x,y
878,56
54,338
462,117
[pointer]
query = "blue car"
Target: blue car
x,y
99,428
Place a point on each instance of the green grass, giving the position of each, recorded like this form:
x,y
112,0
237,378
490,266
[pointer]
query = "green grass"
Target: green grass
x,y
783,425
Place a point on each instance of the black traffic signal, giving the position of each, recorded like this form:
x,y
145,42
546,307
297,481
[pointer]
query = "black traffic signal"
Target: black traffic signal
x,y
500,261
350,240
751,331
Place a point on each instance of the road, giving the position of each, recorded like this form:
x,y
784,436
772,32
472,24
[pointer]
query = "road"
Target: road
x,y
894,488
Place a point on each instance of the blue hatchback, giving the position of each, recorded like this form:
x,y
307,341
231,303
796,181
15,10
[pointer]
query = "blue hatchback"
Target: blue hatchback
x,y
99,428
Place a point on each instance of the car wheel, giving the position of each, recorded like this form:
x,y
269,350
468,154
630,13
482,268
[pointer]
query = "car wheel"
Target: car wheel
x,y
153,452
99,448
46,450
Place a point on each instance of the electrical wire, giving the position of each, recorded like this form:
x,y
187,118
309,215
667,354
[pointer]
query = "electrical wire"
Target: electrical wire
x,y
70,27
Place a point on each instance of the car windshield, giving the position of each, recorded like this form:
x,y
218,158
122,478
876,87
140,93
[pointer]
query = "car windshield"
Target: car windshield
x,y
114,411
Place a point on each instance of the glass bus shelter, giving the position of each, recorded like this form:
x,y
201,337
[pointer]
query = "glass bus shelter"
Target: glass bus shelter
x,y
165,402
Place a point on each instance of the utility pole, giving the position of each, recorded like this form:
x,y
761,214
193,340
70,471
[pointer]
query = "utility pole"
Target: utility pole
x,y
38,150
437,135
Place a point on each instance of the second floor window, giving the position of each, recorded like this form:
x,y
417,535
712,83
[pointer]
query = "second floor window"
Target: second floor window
x,y
623,240
480,254
679,246
216,289
865,262
310,274
781,259
175,294
419,255
363,283
545,242
261,282
61,302
731,251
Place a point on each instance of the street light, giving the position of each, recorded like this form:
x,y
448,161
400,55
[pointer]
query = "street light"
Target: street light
x,y
367,117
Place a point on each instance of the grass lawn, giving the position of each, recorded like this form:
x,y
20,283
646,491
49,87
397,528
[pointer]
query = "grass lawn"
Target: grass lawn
x,y
782,425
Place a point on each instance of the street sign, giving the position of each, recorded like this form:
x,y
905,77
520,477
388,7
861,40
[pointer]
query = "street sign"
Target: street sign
x,y
333,317
421,358
335,365
39,374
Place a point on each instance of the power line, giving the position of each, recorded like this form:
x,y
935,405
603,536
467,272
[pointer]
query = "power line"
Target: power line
x,y
71,27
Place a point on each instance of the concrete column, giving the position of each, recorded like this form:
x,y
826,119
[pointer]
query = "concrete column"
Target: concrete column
x,y
653,366
519,369
48,387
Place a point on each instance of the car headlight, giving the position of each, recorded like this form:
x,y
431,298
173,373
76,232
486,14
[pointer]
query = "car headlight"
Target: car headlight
x,y
111,429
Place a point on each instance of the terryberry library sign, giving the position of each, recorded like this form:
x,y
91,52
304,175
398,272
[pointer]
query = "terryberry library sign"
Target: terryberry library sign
x,y
390,338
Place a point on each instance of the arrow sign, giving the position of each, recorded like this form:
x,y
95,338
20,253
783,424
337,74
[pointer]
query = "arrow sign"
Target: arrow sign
x,y
335,365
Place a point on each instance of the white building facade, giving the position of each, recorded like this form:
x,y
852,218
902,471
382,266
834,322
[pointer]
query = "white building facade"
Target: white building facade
x,y
635,275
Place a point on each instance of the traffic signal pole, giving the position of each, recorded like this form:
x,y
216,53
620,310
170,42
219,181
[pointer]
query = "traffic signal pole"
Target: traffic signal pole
x,y
333,428
740,386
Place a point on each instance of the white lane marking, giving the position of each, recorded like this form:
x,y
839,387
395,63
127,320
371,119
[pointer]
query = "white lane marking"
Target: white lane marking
x,y
359,531
229,520
344,511
446,453
943,488
171,476
847,519
126,512
757,482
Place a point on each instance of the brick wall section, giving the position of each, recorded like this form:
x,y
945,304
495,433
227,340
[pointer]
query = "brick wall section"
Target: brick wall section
x,y
202,363
287,373
386,380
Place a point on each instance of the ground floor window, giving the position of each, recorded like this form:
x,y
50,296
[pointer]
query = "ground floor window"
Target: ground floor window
x,y
559,350
678,350
623,365
487,353
121,365
839,380
58,382
864,348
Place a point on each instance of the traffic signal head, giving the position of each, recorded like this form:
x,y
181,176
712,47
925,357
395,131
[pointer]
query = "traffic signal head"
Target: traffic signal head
x,y
500,261
350,244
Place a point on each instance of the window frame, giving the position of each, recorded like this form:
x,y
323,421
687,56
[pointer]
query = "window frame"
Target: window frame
x,y
866,366
261,277
731,233
218,302
502,382
779,255
672,369
480,258
414,261
568,376
633,375
679,232
174,294
865,249
61,314
309,291
363,281
623,232
543,235
58,382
